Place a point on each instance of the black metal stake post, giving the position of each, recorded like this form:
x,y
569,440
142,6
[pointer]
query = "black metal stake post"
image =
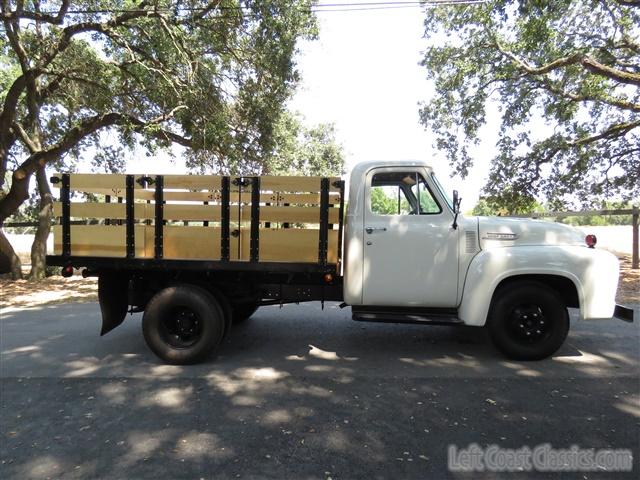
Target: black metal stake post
x,y
634,246
324,221
340,185
65,199
224,219
236,233
254,243
159,218
119,221
107,199
130,218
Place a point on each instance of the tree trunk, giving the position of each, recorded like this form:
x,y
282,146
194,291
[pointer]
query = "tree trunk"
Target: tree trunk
x,y
9,261
39,246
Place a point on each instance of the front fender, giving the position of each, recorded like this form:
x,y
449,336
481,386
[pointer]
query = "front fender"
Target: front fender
x,y
593,272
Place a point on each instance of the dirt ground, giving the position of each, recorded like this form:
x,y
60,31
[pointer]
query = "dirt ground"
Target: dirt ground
x,y
50,291
54,290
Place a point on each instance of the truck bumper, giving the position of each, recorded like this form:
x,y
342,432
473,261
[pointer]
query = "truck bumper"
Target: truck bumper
x,y
623,313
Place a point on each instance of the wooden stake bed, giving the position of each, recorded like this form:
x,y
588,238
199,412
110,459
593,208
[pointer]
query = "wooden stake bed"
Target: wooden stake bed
x,y
231,220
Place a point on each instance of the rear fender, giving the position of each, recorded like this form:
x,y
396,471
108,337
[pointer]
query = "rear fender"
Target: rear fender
x,y
113,295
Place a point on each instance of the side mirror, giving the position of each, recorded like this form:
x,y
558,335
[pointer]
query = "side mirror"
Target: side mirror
x,y
456,209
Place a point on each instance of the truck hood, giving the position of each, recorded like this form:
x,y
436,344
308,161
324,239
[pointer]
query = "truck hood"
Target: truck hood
x,y
498,232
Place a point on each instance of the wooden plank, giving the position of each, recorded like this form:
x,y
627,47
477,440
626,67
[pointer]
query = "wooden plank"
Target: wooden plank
x,y
139,194
295,245
100,240
210,213
295,214
293,184
306,198
173,195
193,182
104,210
196,242
191,243
79,181
98,182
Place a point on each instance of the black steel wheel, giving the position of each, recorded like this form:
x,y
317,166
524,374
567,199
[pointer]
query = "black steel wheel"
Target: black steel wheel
x,y
528,321
183,324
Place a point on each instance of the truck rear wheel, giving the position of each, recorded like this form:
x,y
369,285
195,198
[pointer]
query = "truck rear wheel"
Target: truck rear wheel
x,y
528,321
241,313
183,324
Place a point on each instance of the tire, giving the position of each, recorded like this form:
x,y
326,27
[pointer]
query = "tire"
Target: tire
x,y
225,306
241,313
183,324
528,321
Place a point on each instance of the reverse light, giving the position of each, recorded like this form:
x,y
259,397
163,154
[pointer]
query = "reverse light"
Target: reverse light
x,y
591,240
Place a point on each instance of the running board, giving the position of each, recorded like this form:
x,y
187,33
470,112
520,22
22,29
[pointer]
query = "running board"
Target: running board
x,y
431,316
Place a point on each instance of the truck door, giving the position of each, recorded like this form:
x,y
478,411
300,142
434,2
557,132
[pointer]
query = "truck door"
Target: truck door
x,y
410,248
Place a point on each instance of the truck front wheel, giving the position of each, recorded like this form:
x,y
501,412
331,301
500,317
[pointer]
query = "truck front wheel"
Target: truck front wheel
x,y
528,321
183,324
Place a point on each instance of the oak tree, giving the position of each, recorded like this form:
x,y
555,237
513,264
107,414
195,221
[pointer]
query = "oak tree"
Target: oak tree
x,y
564,77
204,74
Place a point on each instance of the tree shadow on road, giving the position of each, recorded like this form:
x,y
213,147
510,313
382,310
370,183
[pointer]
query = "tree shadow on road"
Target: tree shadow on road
x,y
299,394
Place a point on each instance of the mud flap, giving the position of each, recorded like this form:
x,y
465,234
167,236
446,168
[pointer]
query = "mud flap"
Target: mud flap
x,y
113,295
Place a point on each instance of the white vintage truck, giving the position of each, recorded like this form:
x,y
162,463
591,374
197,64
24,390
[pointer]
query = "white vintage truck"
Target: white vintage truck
x,y
198,253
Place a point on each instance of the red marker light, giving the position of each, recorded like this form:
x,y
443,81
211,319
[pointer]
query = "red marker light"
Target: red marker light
x,y
67,271
591,240
328,278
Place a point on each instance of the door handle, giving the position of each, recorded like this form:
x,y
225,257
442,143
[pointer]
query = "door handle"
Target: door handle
x,y
375,229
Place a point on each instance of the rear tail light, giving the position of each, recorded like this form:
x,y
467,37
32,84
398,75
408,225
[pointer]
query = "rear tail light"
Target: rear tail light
x,y
591,240
67,271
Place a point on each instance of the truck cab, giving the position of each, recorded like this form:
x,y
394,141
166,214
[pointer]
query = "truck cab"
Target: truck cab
x,y
411,256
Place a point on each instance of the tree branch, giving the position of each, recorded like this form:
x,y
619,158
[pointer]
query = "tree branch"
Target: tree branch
x,y
20,14
587,62
24,136
614,74
614,131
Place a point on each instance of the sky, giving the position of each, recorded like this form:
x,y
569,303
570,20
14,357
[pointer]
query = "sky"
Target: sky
x,y
363,75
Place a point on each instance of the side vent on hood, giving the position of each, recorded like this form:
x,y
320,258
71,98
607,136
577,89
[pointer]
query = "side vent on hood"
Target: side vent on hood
x,y
472,241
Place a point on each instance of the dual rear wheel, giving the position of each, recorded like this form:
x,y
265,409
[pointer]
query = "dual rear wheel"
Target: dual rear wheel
x,y
184,324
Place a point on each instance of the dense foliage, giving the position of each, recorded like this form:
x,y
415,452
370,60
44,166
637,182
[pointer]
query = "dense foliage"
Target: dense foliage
x,y
208,75
297,150
564,77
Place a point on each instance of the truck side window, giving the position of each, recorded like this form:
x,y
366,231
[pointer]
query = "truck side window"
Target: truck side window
x,y
401,193
428,204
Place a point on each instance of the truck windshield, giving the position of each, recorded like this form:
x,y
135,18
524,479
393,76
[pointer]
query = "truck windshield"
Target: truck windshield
x,y
442,191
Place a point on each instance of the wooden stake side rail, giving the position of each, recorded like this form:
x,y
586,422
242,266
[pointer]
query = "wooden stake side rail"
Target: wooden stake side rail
x,y
244,219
